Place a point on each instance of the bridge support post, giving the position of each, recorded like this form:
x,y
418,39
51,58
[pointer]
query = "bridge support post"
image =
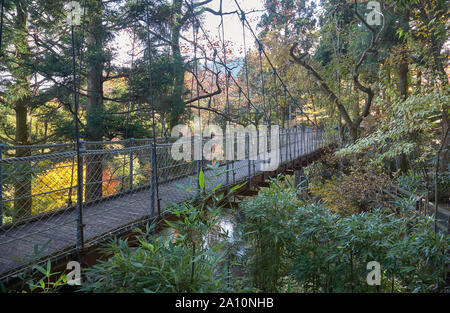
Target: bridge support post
x,y
315,140
290,145
296,143
153,173
304,151
227,165
80,225
166,171
280,140
247,135
131,164
286,140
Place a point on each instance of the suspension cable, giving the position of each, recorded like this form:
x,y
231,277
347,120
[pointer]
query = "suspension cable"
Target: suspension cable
x,y
274,74
213,47
198,144
263,88
77,84
131,71
267,57
80,239
246,65
154,173
227,80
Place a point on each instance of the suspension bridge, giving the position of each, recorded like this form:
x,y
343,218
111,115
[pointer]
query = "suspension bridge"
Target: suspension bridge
x,y
58,200
125,200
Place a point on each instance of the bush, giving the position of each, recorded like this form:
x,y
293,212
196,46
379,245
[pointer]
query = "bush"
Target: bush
x,y
308,248
158,264
267,232
331,253
177,259
355,192
416,184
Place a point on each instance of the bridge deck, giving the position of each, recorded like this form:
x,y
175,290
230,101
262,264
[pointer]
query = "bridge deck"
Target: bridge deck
x,y
104,217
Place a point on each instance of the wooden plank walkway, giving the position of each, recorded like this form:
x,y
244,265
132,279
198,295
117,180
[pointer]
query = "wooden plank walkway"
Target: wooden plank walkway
x,y
109,215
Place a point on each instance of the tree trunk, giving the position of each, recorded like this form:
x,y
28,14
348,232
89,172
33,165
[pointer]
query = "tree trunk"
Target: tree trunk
x,y
22,185
178,65
95,110
402,160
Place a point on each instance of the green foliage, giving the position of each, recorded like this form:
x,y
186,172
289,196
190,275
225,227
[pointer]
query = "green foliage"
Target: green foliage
x,y
37,277
157,264
307,248
179,258
419,184
332,252
410,127
268,232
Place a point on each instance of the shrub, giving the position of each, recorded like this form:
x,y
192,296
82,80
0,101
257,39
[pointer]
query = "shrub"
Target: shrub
x,y
267,231
158,264
355,192
331,253
180,259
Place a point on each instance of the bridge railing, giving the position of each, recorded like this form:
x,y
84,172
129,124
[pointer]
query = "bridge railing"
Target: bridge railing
x,y
42,182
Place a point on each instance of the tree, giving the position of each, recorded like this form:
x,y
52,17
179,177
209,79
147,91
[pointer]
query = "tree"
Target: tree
x,y
352,123
22,79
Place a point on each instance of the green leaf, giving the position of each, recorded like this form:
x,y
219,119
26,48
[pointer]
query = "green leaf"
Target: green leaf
x,y
237,187
201,180
173,225
49,267
217,187
40,269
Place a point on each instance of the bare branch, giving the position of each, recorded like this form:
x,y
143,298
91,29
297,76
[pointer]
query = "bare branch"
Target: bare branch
x,y
321,82
217,92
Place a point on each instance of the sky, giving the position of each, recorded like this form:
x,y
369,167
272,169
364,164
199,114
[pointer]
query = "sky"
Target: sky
x,y
233,25
233,28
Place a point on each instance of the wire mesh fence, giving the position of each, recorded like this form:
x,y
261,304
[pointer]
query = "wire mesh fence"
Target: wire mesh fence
x,y
38,187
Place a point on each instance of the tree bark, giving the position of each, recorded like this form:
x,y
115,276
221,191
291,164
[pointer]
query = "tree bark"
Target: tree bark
x,y
178,65
402,160
96,36
22,185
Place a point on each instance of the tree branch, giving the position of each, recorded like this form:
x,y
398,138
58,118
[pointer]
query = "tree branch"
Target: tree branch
x,y
209,95
373,42
321,82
